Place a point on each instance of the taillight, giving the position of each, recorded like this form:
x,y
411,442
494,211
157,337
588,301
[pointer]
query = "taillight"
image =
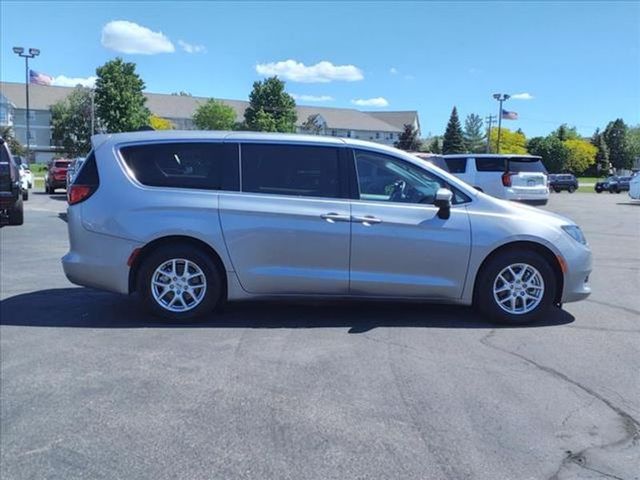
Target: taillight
x,y
79,193
506,178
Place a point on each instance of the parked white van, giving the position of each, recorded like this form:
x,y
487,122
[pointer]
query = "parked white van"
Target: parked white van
x,y
522,178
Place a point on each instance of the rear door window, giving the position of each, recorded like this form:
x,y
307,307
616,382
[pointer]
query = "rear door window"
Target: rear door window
x,y
298,170
456,165
197,165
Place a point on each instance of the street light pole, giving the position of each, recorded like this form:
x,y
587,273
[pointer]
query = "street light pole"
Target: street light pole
x,y
33,52
501,97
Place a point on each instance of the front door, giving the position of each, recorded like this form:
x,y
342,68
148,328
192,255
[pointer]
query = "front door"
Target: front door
x,y
399,246
288,231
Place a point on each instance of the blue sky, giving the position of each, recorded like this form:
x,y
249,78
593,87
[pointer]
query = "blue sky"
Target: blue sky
x,y
580,62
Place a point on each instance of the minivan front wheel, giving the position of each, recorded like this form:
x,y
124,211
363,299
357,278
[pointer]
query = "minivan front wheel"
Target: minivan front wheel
x,y
180,282
516,287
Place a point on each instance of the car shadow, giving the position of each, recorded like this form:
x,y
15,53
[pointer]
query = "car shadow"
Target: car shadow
x,y
636,204
88,308
53,196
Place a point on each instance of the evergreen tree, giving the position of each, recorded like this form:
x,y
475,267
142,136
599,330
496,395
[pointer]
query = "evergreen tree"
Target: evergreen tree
x,y
434,145
271,108
473,134
119,100
615,136
408,139
453,141
602,156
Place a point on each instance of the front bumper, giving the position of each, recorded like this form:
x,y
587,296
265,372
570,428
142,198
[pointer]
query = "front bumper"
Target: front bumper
x,y
576,277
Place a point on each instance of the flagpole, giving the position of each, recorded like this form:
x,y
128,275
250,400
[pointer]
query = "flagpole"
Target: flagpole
x,y
501,97
33,52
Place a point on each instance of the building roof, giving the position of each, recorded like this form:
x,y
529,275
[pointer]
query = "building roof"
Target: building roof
x,y
181,106
398,118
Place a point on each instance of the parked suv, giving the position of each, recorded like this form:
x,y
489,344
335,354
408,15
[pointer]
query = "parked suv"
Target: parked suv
x,y
11,206
619,184
191,219
563,181
56,176
521,178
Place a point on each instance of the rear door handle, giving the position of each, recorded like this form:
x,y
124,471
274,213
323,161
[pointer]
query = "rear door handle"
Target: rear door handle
x,y
367,220
333,217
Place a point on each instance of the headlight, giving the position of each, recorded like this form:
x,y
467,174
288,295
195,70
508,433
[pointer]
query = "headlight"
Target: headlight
x,y
574,232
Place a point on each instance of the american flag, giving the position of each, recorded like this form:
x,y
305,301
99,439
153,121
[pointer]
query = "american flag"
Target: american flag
x,y
507,115
38,78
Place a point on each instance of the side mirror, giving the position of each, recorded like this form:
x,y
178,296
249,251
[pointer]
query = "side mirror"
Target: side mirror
x,y
443,202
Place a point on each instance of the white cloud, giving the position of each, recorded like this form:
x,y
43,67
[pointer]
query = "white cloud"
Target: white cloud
x,y
128,37
321,72
371,102
312,98
64,81
191,48
393,71
522,96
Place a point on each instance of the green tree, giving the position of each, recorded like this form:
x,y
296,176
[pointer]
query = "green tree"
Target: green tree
x,y
565,132
510,142
553,152
615,136
71,123
633,140
8,135
271,108
580,155
408,139
159,123
453,141
473,133
311,125
602,155
214,115
434,145
120,102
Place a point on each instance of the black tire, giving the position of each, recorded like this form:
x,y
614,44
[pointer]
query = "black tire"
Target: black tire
x,y
25,195
571,189
557,189
598,190
484,296
214,280
16,213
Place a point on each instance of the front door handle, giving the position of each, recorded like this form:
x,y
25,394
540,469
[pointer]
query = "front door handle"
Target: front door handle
x,y
367,220
333,217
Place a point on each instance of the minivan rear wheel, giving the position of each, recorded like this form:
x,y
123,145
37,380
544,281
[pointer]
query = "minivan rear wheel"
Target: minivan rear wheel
x,y
516,287
179,282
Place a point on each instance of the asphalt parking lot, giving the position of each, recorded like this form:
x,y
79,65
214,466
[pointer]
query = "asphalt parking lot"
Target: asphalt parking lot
x,y
92,387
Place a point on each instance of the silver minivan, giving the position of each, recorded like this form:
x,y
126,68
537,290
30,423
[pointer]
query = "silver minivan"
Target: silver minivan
x,y
191,219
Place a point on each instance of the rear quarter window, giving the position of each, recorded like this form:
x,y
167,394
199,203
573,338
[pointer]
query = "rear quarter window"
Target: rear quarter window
x,y
490,164
196,165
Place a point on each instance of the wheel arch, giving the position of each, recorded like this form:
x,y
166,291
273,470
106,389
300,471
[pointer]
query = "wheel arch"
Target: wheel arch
x,y
153,245
539,248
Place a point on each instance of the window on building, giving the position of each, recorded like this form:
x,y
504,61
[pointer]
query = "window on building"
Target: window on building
x,y
298,170
206,165
377,134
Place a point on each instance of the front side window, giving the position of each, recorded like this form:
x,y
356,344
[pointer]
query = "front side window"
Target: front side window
x,y
388,179
298,170
208,166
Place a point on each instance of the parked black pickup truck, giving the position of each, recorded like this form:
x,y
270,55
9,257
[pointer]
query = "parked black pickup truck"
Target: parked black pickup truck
x,y
11,208
563,181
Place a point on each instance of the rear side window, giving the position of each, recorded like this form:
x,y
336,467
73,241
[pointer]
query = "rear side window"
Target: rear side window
x,y
299,170
456,165
88,172
528,165
204,165
61,164
490,164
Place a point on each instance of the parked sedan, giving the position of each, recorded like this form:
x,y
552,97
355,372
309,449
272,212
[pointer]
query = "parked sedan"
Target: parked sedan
x,y
563,181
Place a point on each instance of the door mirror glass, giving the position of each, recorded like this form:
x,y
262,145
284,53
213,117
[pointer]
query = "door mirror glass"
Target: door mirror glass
x,y
443,200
